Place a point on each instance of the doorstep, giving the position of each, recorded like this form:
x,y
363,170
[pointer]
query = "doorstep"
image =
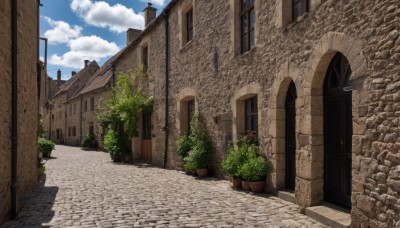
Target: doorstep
x,y
330,215
287,195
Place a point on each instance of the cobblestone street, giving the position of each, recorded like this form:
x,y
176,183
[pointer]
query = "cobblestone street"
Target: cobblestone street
x,y
85,189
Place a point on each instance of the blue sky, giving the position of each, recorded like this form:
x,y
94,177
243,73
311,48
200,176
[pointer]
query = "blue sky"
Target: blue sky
x,y
88,29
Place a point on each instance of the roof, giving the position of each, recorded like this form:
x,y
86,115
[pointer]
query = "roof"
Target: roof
x,y
100,79
69,83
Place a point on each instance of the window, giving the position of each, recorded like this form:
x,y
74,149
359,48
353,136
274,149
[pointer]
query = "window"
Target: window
x,y
145,58
189,25
73,131
58,133
69,132
146,126
85,105
91,103
52,116
91,128
247,21
251,115
299,7
190,113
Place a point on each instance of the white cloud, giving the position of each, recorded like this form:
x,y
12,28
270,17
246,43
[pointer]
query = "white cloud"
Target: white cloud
x,y
156,2
117,18
85,47
61,31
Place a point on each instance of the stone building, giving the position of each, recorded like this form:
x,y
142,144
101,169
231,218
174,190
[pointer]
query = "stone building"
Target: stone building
x,y
62,122
19,103
318,80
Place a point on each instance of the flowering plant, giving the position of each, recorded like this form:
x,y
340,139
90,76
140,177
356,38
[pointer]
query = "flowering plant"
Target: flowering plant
x,y
250,138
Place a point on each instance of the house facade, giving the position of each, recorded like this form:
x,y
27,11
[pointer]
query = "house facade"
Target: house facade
x,y
19,64
317,80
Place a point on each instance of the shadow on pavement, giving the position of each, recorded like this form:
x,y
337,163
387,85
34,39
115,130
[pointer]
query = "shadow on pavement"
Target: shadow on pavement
x,y
36,209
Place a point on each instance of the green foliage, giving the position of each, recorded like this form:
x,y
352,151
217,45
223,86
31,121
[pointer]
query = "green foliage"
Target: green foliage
x,y
183,146
41,130
196,148
40,166
89,141
255,169
115,143
237,157
45,147
127,101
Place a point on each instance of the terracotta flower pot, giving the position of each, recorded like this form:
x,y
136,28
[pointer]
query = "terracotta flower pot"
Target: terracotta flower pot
x,y
202,172
257,186
245,185
237,182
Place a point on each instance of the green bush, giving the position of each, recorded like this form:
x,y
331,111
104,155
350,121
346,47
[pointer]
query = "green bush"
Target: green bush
x,y
40,166
89,141
255,169
199,157
115,143
183,146
237,157
45,147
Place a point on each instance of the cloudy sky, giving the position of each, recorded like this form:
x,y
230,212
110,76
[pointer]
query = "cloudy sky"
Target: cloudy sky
x,y
88,29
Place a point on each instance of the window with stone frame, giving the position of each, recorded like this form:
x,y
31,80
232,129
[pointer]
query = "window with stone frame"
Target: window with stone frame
x,y
251,114
247,25
190,113
69,132
189,25
58,133
145,58
74,131
91,128
299,8
91,103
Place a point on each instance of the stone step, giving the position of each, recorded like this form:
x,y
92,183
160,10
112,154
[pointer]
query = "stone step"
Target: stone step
x,y
287,195
330,215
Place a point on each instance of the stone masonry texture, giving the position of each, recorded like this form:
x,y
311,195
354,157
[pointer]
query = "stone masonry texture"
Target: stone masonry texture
x,y
27,103
86,189
211,70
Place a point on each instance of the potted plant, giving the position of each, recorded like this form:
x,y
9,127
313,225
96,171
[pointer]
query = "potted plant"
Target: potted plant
x,y
116,145
255,171
231,165
183,146
45,147
89,141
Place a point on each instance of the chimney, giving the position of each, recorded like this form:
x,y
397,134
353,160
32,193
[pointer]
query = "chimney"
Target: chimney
x,y
59,75
73,73
149,14
131,35
86,63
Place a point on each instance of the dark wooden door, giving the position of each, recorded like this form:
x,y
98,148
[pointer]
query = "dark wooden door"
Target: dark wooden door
x,y
146,147
290,137
337,132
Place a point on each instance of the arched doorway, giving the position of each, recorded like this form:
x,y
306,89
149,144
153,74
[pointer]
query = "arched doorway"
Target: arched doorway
x,y
337,132
290,137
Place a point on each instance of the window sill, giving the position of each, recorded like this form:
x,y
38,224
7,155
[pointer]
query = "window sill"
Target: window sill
x,y
297,21
186,46
246,53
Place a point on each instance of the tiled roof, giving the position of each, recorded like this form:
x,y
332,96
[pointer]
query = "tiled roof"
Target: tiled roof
x,y
100,79
70,82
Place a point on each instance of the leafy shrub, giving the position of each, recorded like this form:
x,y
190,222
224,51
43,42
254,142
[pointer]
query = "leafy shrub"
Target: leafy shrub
x,y
89,141
45,147
115,143
237,157
40,166
183,146
199,157
255,169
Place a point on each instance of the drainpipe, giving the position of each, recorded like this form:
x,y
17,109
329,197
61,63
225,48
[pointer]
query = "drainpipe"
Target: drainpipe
x,y
166,130
14,106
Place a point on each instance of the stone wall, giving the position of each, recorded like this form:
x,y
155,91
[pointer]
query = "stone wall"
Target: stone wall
x,y
27,103
366,33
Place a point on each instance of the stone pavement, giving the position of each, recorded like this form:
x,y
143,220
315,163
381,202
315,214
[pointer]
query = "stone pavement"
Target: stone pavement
x,y
85,189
